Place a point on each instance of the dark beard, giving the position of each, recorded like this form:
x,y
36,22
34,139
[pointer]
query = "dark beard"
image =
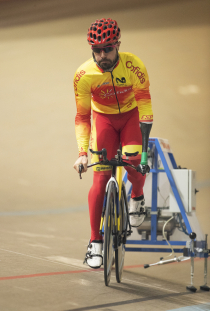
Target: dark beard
x,y
108,65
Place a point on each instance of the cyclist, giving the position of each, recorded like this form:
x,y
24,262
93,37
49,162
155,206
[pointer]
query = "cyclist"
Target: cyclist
x,y
115,86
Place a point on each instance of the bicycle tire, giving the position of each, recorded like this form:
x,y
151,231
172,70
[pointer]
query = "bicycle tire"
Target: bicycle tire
x,y
108,232
120,251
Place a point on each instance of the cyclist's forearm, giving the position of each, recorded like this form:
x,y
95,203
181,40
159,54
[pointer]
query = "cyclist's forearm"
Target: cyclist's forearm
x,y
82,130
145,130
83,143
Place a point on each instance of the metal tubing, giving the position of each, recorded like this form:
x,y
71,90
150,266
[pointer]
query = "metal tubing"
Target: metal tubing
x,y
154,199
192,262
205,264
205,271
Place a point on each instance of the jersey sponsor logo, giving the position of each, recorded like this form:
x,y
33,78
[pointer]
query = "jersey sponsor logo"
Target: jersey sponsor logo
x,y
103,84
147,117
122,80
76,80
103,168
137,71
110,93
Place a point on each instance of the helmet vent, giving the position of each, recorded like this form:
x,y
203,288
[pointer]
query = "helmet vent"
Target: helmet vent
x,y
108,33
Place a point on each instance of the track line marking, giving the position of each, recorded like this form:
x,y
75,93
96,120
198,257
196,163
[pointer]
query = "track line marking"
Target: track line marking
x,y
69,261
78,271
74,264
41,274
36,235
40,258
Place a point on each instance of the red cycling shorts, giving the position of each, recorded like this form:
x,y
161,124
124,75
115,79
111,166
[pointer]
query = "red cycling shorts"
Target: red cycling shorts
x,y
109,130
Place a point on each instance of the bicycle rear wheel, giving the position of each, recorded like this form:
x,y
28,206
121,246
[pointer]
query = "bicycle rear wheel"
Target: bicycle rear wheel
x,y
122,234
108,232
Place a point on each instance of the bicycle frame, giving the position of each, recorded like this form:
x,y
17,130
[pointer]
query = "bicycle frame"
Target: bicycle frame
x,y
119,181
117,164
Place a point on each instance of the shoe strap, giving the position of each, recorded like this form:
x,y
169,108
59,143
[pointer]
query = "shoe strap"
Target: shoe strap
x,y
88,255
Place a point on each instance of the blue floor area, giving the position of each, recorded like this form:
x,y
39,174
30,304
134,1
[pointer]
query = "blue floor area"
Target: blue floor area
x,y
46,212
202,307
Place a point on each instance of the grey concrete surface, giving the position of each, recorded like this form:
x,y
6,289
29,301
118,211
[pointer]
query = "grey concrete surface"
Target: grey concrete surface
x,y
43,204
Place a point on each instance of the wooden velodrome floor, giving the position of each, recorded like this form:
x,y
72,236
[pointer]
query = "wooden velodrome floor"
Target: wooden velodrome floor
x,y
44,221
41,259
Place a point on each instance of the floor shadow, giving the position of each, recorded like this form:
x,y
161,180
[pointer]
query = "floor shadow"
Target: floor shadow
x,y
131,301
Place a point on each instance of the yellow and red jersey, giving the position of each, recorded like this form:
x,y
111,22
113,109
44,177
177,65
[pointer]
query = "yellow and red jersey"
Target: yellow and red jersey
x,y
119,91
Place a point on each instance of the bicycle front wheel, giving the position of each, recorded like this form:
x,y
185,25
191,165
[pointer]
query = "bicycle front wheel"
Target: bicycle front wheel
x,y
109,225
122,235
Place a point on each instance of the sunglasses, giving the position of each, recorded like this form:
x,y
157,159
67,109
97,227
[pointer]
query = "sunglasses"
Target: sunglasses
x,y
106,49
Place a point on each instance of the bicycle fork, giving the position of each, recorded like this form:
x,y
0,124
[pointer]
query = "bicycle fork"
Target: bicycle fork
x,y
115,212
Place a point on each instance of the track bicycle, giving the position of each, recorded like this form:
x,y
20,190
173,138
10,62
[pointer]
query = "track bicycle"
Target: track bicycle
x,y
115,225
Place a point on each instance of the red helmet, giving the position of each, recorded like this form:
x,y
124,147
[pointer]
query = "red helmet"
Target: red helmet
x,y
103,31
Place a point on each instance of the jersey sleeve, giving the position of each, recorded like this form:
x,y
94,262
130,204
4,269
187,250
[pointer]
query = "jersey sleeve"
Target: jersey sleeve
x,y
82,90
140,79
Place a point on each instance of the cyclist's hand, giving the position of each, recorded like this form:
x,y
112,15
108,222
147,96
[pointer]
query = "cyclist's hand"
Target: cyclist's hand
x,y
81,160
143,169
